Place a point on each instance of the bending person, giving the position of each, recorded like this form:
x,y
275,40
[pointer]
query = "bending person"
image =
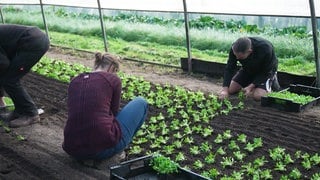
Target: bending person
x,y
258,73
96,128
21,47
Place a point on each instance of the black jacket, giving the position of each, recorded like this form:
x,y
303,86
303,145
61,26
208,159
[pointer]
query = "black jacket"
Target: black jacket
x,y
262,63
13,38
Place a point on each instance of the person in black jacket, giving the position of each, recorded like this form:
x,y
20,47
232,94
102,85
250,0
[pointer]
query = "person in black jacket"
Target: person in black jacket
x,y
21,47
258,72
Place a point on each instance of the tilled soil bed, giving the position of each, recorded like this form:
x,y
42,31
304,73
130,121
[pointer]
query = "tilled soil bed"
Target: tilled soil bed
x,y
40,156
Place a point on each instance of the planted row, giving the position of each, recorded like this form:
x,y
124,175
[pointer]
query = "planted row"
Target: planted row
x,y
179,127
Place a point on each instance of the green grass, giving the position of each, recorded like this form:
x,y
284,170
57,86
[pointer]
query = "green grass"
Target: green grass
x,y
161,44
166,54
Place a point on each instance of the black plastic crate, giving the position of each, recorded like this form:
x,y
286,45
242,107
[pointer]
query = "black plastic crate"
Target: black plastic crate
x,y
140,169
288,105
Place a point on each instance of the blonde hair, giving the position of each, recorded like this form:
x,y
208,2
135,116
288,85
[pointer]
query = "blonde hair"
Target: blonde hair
x,y
105,60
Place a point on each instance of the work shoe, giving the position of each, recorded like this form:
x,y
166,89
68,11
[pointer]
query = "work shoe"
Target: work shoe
x,y
103,164
23,121
9,116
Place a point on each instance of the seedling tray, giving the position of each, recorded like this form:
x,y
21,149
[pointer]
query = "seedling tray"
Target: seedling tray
x,y
290,106
140,169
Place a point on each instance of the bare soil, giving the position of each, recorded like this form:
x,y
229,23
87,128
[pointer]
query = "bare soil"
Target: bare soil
x,y
40,156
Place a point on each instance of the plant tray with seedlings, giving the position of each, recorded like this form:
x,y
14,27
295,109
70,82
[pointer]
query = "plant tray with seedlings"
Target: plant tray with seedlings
x,y
295,98
156,167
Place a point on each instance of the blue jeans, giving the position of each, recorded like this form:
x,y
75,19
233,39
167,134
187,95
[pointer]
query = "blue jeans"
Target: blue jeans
x,y
130,118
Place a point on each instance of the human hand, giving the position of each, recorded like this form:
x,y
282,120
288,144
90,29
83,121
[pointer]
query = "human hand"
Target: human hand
x,y
223,94
248,90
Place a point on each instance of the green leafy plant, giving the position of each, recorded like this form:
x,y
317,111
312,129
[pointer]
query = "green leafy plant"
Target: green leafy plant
x,y
20,138
213,173
205,147
207,131
210,158
295,174
242,138
266,174
233,145
250,147
180,157
277,153
135,149
221,151
294,97
315,176
248,168
198,164
280,166
239,155
218,139
259,162
194,150
163,165
227,134
227,161
315,159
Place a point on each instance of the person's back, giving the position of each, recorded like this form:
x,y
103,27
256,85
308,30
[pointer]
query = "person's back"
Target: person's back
x,y
93,102
95,128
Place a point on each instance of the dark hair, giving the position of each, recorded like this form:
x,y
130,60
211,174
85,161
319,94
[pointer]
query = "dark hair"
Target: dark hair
x,y
106,59
241,45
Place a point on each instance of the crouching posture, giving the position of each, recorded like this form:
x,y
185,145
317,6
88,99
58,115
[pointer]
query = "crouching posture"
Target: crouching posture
x,y
96,128
258,73
21,47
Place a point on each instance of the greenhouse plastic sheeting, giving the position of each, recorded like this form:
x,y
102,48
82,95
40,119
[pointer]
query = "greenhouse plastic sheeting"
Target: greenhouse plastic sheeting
x,y
254,7
246,7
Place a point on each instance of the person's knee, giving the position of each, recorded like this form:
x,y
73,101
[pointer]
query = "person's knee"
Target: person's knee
x,y
258,93
141,100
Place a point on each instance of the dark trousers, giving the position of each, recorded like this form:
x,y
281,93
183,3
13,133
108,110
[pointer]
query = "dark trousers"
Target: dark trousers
x,y
33,45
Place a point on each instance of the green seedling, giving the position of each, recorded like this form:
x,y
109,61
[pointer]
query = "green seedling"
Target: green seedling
x,y
294,97
20,138
163,165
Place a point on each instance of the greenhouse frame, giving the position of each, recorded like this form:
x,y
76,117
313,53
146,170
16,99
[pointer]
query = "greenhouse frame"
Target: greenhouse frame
x,y
163,108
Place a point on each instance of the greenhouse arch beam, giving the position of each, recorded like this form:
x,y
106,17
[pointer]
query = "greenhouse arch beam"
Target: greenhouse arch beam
x,y
315,41
186,22
2,18
102,27
44,19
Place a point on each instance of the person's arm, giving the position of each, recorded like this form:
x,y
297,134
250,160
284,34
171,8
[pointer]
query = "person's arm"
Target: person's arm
x,y
4,61
230,69
228,74
116,98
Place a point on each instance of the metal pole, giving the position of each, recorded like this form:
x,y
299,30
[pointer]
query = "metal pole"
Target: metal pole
x,y
44,19
2,19
186,23
102,27
315,41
